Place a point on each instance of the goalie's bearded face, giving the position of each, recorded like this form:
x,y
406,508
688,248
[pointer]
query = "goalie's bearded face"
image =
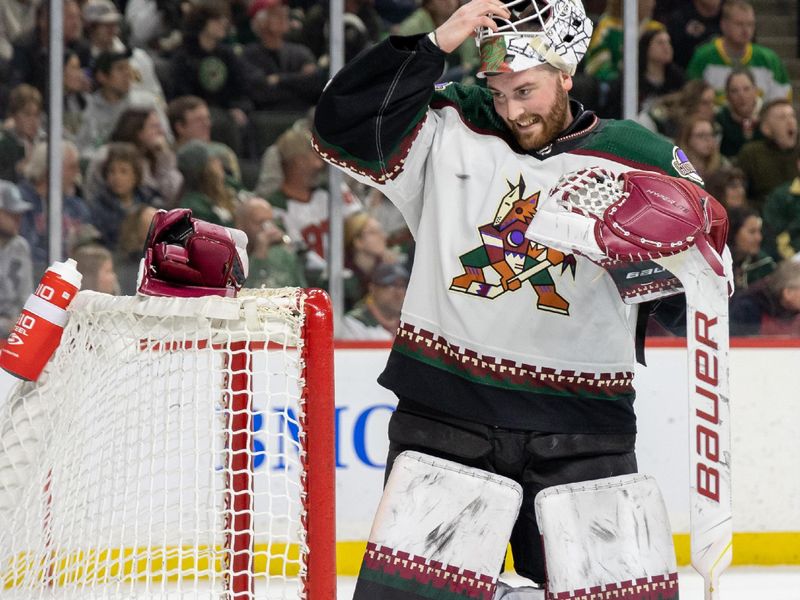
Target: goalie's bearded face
x,y
533,103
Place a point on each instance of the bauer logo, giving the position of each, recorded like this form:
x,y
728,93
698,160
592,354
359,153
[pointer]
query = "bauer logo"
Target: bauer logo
x,y
645,273
706,364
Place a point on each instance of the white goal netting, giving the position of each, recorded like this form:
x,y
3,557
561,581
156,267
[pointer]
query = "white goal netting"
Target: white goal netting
x,y
162,454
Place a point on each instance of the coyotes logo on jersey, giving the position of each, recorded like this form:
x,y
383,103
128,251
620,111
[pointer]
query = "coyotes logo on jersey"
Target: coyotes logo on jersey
x,y
516,259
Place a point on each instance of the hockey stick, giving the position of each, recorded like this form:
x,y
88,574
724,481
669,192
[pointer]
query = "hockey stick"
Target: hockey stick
x,y
707,344
493,290
590,204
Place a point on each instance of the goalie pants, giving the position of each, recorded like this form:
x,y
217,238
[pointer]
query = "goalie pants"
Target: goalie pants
x,y
535,460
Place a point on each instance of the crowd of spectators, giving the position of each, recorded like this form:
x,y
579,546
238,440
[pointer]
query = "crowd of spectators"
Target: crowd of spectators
x,y
206,104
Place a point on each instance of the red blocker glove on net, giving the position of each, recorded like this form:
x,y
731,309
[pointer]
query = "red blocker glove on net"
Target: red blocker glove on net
x,y
188,257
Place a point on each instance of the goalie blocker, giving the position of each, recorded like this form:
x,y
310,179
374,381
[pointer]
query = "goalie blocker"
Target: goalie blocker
x,y
187,257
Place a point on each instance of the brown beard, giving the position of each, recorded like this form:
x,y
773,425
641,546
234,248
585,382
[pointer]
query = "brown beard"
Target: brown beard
x,y
552,124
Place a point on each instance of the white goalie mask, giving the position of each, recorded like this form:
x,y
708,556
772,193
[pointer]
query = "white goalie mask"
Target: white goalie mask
x,y
554,32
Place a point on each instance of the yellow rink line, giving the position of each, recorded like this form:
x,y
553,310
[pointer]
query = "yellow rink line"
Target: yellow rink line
x,y
763,548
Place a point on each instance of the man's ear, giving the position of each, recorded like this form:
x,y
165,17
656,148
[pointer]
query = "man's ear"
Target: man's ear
x,y
566,81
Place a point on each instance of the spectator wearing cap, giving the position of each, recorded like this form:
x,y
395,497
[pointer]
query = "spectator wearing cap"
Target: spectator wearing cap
x,y
34,190
377,316
16,267
284,74
394,12
205,67
114,77
21,130
101,20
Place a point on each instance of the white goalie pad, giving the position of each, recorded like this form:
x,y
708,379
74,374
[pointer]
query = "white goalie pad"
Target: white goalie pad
x,y
608,538
439,526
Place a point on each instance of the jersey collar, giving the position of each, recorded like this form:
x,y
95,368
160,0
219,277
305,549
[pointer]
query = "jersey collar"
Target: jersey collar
x,y
583,122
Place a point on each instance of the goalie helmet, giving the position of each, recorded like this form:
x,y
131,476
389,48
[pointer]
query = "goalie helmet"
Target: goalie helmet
x,y
554,32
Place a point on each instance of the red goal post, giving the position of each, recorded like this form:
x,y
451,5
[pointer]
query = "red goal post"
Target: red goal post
x,y
175,447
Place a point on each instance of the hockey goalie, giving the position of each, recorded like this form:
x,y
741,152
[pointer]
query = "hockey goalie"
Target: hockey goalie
x,y
540,228
443,525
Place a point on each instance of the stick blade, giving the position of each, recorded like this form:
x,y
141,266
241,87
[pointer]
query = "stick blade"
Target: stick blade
x,y
708,345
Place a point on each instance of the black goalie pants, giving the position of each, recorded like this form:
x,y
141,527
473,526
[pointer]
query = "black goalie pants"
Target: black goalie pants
x,y
533,459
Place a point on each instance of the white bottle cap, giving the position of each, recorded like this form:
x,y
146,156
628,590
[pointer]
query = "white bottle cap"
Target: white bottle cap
x,y
68,271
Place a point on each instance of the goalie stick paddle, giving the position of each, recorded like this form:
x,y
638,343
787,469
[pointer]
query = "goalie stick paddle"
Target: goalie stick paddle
x,y
707,342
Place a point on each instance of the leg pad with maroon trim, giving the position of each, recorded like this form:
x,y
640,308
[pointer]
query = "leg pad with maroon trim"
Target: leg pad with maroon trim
x,y
607,538
441,528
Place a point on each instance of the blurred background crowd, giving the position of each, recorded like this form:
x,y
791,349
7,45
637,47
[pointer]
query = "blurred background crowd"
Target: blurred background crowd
x,y
207,104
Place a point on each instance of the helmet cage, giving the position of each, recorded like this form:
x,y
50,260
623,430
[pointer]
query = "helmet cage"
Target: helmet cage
x,y
555,32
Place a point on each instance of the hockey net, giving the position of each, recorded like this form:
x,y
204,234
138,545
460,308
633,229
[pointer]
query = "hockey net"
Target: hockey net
x,y
175,448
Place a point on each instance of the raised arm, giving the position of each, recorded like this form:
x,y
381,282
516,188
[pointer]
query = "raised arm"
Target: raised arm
x,y
377,100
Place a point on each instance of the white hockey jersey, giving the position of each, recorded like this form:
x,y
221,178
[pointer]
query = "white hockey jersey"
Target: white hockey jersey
x,y
494,327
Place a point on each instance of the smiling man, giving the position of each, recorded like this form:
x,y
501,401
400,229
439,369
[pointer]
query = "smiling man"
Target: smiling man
x,y
511,356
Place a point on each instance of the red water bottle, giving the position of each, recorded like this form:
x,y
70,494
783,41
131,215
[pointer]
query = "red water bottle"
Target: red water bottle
x,y
37,333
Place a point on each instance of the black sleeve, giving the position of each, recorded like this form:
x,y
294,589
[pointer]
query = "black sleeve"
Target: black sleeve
x,y
370,105
670,313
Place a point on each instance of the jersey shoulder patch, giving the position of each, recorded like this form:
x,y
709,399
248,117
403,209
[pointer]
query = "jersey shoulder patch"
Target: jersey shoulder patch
x,y
641,148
